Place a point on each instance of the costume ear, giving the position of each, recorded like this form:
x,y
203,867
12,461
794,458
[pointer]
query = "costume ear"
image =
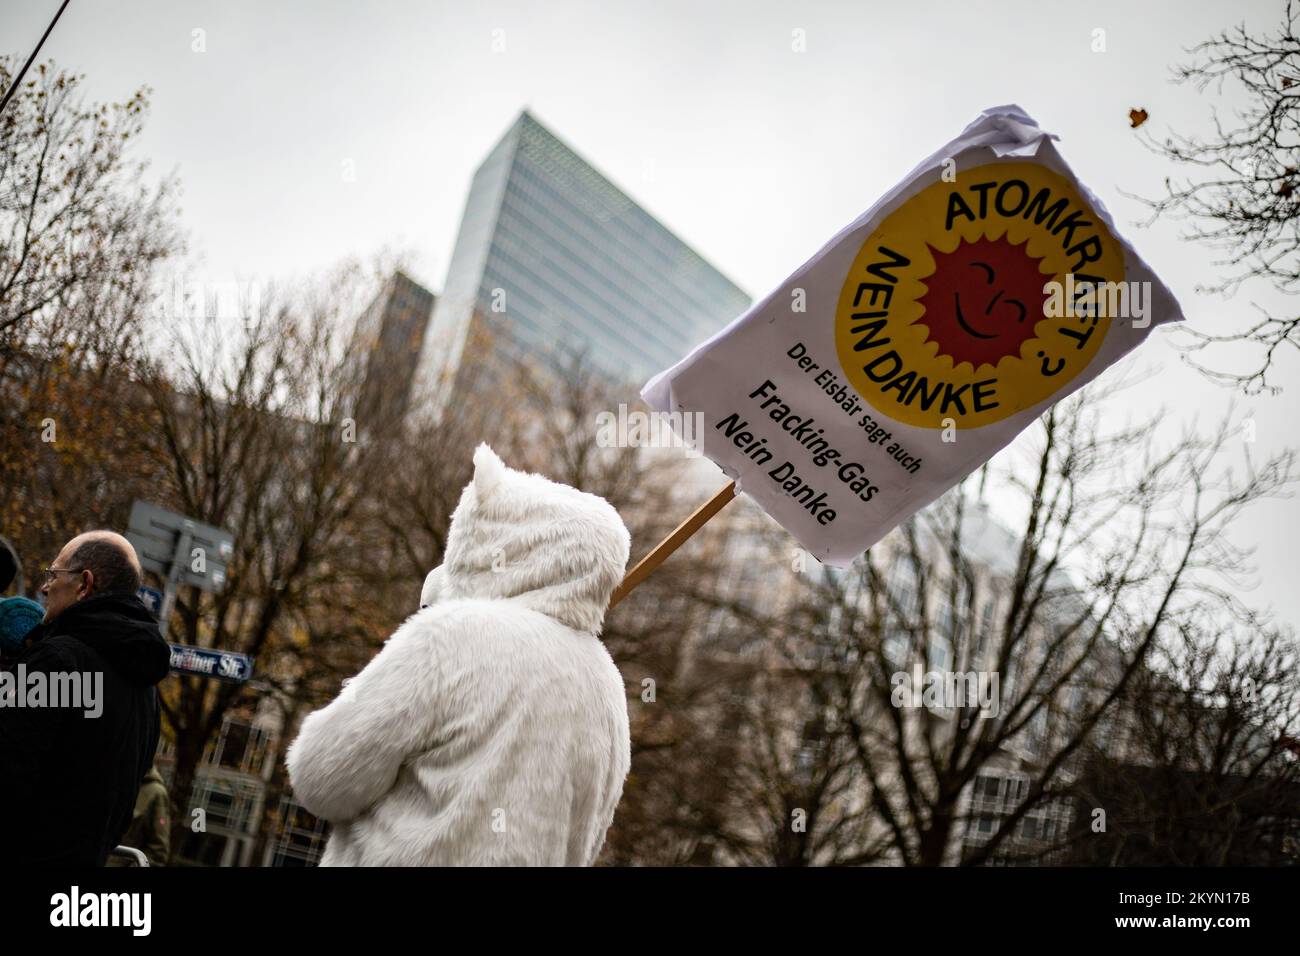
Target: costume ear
x,y
488,471
431,593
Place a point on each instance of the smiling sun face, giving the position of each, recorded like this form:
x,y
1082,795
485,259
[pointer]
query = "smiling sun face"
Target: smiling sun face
x,y
983,300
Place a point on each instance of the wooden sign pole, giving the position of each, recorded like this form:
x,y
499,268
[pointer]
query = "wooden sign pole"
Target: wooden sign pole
x,y
674,541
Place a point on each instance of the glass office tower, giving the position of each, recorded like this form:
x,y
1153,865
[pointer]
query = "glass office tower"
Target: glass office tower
x,y
554,258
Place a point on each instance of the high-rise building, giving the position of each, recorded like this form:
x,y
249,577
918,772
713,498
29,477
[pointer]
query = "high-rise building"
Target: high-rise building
x,y
386,344
553,258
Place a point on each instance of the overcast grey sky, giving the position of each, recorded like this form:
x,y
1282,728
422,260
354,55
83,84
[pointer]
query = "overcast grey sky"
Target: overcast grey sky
x,y
752,152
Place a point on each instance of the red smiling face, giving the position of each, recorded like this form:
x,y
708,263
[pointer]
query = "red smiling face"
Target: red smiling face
x,y
983,300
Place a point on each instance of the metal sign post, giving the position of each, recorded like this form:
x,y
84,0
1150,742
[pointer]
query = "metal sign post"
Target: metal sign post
x,y
183,551
180,550
173,576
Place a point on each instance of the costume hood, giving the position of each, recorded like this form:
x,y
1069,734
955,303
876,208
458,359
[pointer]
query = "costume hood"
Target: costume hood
x,y
530,540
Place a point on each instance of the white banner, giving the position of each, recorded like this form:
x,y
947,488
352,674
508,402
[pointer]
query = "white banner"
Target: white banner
x,y
920,340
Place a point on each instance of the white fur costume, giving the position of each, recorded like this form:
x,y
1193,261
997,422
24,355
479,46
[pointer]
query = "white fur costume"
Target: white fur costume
x,y
492,728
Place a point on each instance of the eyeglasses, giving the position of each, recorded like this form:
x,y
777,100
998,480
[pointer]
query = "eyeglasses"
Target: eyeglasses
x,y
51,572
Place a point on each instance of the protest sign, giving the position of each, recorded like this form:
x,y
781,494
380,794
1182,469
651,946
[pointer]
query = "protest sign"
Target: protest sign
x,y
920,340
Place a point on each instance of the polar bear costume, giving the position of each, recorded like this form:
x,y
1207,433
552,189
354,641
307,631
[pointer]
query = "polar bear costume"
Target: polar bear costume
x,y
492,728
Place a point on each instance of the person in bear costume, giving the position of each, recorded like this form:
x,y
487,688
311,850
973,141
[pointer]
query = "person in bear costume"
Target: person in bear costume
x,y
492,727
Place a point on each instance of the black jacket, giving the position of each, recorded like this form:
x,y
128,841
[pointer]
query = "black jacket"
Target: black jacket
x,y
71,780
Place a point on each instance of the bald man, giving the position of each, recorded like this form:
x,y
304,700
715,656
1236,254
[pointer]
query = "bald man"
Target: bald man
x,y
72,756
